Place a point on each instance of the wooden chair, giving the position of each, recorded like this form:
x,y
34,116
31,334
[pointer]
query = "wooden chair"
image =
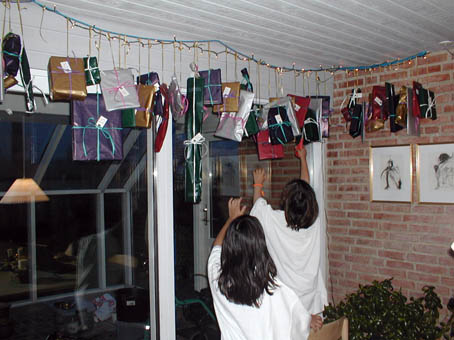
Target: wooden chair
x,y
331,331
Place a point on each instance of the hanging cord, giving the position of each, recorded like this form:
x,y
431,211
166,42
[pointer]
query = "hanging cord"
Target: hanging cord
x,y
9,16
41,25
89,41
236,66
162,60
140,49
258,78
98,46
317,84
209,56
149,56
67,37
303,78
226,70
269,81
324,83
181,69
249,65
174,59
6,4
294,82
119,52
309,83
275,81
109,38
125,51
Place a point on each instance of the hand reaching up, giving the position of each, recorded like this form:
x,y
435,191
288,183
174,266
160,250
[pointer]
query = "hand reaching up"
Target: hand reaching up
x,y
259,176
235,208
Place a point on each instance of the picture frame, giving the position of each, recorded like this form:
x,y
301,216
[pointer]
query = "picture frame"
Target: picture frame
x,y
390,173
435,173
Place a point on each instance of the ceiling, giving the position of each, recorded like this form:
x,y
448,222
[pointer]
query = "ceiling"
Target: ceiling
x,y
308,33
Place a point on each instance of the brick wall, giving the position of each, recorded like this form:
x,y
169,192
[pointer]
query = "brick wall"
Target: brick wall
x,y
371,240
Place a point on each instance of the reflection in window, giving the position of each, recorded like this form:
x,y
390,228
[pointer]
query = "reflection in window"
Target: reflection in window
x,y
63,259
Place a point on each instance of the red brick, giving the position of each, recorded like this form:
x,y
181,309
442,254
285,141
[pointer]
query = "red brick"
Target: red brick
x,y
416,276
436,78
419,258
391,272
441,270
361,233
391,254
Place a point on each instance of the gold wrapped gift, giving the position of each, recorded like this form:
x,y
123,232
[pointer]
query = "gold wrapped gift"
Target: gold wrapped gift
x,y
273,99
66,78
401,110
145,111
230,98
375,125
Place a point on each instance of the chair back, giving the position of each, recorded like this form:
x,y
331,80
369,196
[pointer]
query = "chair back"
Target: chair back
x,y
331,331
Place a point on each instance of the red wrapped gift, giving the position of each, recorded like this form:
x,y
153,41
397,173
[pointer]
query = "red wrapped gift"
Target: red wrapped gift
x,y
301,104
266,150
415,103
379,103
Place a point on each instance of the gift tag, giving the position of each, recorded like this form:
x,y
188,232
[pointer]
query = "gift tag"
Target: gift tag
x,y
378,101
156,87
297,107
101,121
123,91
278,118
66,67
226,91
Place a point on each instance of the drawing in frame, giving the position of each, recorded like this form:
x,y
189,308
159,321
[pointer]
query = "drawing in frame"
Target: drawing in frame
x,y
390,173
435,173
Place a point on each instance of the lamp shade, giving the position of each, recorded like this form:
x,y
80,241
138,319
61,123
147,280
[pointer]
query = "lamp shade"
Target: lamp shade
x,y
24,190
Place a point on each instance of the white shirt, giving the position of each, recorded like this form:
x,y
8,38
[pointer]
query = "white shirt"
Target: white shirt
x,y
296,253
281,316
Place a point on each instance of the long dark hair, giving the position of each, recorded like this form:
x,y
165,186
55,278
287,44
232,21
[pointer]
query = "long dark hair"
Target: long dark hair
x,y
247,269
299,204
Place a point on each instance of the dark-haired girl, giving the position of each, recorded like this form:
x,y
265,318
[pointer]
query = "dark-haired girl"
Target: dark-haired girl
x,y
293,237
250,301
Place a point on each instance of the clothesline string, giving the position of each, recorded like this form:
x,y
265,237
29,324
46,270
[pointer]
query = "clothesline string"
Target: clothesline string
x,y
228,50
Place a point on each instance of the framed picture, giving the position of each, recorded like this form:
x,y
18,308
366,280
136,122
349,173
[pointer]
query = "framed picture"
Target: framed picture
x,y
390,173
435,173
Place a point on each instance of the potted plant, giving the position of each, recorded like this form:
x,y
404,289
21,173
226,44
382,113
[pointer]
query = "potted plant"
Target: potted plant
x,y
378,312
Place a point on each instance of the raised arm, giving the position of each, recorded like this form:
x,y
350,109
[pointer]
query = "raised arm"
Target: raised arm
x,y
259,180
304,171
235,210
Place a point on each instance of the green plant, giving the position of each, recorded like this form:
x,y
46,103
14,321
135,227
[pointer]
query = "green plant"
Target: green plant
x,y
378,312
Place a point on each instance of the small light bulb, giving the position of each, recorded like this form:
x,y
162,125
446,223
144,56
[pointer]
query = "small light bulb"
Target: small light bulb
x,y
452,246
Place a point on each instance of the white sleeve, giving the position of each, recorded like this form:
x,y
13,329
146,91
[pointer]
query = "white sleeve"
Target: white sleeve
x,y
260,208
214,263
301,322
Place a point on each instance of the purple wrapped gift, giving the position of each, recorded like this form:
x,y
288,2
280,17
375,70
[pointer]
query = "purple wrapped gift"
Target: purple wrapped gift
x,y
212,92
152,78
96,132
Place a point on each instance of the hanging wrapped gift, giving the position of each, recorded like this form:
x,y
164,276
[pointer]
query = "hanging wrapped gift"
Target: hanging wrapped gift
x,y
96,133
142,116
280,129
356,124
178,102
152,78
193,152
230,98
252,128
401,109
265,149
415,102
426,100
118,89
67,78
326,112
246,84
286,102
162,121
232,124
212,92
413,126
311,128
392,99
92,74
301,104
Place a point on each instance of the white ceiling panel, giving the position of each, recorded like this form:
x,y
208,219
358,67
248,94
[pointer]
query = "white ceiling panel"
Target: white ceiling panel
x,y
308,33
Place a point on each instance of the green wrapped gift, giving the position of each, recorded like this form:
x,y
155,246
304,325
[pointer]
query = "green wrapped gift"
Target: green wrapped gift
x,y
252,127
193,152
92,75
